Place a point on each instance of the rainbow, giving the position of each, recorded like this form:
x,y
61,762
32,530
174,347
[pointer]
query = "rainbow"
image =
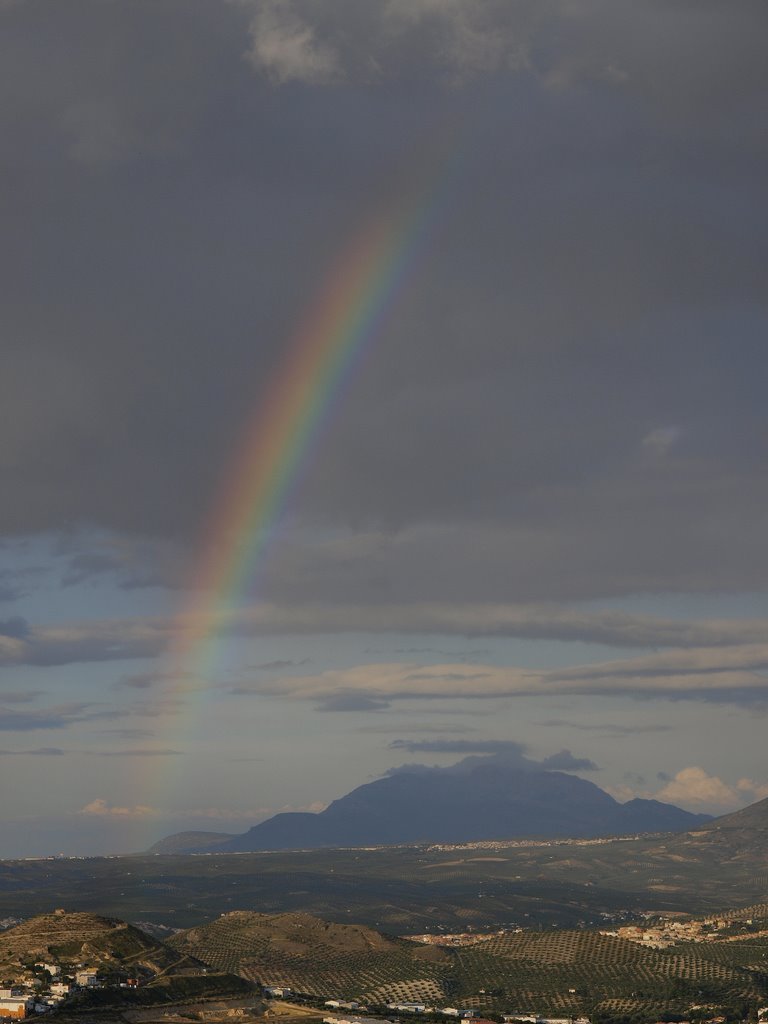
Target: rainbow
x,y
339,326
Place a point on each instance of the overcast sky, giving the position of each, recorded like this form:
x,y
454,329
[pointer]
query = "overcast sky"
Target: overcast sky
x,y
534,518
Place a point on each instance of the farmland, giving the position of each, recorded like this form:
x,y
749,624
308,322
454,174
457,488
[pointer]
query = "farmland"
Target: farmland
x,y
563,972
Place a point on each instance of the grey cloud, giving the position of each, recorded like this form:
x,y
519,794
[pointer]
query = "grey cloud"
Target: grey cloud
x,y
609,728
137,753
38,752
279,664
446,676
322,43
663,776
468,655
748,658
130,733
87,565
128,563
16,628
140,681
711,675
58,717
9,591
615,629
20,696
423,728
610,43
564,761
121,639
352,702
508,752
634,778
86,642
16,583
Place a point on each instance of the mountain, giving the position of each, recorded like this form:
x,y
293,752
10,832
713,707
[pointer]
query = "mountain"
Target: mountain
x,y
478,799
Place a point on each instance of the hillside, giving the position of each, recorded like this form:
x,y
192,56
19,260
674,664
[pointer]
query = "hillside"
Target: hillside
x,y
739,838
70,939
479,799
566,972
307,953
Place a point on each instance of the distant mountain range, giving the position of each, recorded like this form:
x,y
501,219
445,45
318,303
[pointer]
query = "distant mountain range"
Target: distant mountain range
x,y
477,799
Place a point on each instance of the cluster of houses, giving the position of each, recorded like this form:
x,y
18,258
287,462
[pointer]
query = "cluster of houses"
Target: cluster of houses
x,y
468,1016
667,932
460,938
20,1001
355,1008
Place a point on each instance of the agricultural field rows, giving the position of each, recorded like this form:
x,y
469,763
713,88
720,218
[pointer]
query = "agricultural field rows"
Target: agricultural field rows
x,y
557,971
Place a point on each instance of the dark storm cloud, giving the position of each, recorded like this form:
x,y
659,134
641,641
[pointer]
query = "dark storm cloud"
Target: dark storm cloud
x,y
565,403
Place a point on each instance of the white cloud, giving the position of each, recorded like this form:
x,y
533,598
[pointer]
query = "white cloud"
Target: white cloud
x,y
286,47
315,42
693,786
755,790
707,674
660,441
101,809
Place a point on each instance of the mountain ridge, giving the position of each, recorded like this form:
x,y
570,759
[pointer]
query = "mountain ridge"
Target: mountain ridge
x,y
484,799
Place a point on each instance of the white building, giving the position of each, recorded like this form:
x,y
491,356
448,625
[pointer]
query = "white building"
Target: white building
x,y
16,1007
53,969
88,978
